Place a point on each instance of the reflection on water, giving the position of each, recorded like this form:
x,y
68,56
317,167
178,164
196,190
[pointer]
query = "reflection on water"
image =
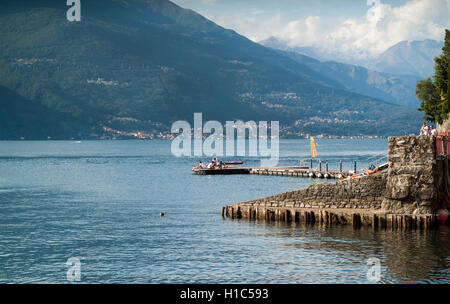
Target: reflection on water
x,y
406,256
100,201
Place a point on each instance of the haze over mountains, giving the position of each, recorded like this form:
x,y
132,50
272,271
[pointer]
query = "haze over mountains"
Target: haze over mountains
x,y
138,65
409,58
412,58
392,76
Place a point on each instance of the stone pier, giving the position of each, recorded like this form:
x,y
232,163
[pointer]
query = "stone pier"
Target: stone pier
x,y
406,196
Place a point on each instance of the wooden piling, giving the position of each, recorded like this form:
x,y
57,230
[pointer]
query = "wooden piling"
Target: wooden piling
x,y
426,224
295,214
238,213
374,221
356,220
408,220
414,222
389,223
287,216
434,221
382,222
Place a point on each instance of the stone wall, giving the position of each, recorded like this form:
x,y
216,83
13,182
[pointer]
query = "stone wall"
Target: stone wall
x,y
413,176
359,193
409,190
445,126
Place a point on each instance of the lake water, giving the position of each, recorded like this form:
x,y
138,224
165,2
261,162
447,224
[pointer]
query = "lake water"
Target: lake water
x,y
99,201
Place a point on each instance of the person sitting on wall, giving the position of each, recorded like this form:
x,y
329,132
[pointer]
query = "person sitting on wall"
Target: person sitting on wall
x,y
424,130
432,131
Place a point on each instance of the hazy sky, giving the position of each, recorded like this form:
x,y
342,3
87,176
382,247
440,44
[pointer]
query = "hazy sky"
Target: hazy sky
x,y
361,28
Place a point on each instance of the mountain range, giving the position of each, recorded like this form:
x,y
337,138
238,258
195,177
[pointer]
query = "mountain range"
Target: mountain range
x,y
138,65
408,58
392,76
405,58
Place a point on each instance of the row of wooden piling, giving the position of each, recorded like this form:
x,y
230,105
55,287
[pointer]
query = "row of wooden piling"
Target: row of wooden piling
x,y
311,173
330,218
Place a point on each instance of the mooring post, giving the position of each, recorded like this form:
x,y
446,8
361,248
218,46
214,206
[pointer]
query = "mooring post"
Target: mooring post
x,y
287,216
356,220
320,165
340,165
374,221
326,165
354,165
382,222
310,164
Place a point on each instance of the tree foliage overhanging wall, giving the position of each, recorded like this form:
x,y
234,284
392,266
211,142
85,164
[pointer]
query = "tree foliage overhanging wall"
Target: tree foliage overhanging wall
x,y
434,93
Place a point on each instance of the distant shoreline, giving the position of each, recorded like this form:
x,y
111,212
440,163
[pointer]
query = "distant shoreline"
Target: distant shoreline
x,y
167,139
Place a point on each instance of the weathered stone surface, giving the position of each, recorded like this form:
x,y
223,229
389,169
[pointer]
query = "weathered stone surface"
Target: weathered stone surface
x,y
413,174
398,186
409,187
445,126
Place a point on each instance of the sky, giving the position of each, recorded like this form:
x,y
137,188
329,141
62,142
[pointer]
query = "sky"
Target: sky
x,y
361,29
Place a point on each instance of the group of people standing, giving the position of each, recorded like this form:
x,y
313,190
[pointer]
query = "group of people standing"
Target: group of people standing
x,y
427,130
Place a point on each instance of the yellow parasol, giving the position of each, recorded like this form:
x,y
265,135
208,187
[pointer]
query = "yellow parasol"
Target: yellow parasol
x,y
313,147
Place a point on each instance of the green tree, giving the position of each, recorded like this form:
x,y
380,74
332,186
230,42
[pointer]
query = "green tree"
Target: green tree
x,y
427,92
434,94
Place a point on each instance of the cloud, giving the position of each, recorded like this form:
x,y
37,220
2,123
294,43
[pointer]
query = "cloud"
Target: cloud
x,y
379,28
416,20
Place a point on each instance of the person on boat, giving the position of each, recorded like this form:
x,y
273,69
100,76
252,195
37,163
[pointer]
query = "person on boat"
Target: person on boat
x,y
432,131
216,163
220,164
199,166
424,130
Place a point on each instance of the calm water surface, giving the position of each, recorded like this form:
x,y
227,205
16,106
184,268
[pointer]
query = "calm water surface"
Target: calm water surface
x,y
100,201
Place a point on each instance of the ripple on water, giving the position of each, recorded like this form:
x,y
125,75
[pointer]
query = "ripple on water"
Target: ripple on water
x,y
100,201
